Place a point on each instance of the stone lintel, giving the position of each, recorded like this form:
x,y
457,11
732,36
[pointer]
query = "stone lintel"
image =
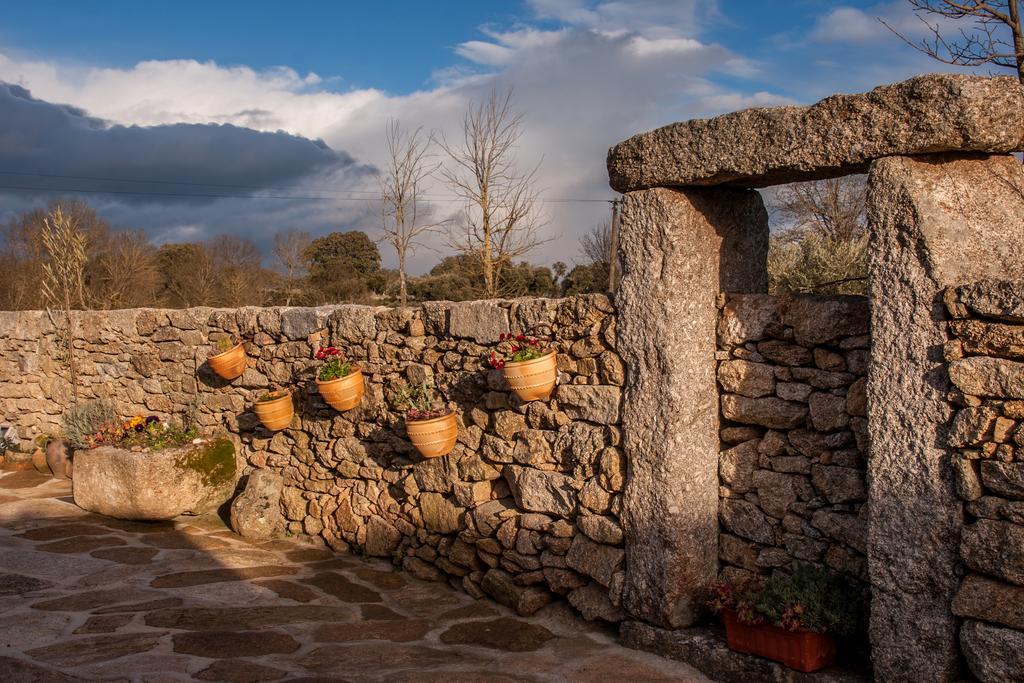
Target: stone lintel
x,y
839,135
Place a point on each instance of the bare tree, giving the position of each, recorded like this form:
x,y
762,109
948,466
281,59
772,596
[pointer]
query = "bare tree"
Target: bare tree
x,y
124,274
63,281
819,242
995,35
835,207
288,249
401,191
501,220
596,245
236,266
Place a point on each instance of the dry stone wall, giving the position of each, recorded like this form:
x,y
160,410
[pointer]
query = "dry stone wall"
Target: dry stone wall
x,y
792,373
986,366
526,506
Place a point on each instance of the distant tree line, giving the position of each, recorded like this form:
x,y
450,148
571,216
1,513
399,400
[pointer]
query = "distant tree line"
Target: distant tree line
x,y
123,269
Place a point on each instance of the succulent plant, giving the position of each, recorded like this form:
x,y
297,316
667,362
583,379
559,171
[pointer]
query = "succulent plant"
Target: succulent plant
x,y
83,421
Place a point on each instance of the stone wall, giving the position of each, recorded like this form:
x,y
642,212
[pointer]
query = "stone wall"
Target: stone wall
x,y
792,372
526,506
986,366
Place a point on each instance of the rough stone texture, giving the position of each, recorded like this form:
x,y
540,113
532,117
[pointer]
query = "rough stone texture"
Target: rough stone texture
x,y
937,221
981,597
993,654
678,250
802,455
995,548
256,513
993,298
841,134
353,480
983,376
158,485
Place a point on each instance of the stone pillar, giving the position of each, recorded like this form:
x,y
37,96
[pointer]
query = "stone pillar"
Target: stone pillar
x,y
935,220
679,249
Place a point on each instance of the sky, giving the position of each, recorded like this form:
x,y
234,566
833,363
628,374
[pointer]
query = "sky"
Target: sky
x,y
190,119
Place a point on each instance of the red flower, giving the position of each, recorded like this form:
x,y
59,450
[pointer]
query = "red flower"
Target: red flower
x,y
501,337
520,337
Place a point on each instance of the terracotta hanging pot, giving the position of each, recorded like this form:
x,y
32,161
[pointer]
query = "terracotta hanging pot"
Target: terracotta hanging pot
x,y
435,437
345,392
230,364
275,409
533,380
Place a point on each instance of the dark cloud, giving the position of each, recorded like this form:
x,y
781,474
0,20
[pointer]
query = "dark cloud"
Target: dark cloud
x,y
45,138
214,178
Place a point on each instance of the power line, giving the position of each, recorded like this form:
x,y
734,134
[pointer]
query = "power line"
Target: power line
x,y
207,195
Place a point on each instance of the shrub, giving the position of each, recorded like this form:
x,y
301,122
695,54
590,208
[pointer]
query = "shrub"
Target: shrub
x,y
811,599
809,262
88,423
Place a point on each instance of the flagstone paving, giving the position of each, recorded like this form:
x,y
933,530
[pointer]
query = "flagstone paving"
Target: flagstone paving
x,y
87,598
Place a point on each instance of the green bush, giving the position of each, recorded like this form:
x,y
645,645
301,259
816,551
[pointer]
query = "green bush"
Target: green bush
x,y
82,422
810,599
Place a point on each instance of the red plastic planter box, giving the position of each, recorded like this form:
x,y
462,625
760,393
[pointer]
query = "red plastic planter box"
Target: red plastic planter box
x,y
800,650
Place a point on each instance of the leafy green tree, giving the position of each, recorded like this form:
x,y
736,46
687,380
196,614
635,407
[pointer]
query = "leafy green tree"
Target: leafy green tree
x,y
343,265
586,279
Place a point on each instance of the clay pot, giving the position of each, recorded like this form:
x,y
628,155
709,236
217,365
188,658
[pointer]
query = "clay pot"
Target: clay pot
x,y
533,380
39,461
230,364
345,392
57,459
433,438
276,413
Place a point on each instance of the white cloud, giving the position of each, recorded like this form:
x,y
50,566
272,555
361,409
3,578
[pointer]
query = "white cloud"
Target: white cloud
x,y
856,26
654,18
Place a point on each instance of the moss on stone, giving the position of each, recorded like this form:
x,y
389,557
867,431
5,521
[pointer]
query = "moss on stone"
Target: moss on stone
x,y
213,461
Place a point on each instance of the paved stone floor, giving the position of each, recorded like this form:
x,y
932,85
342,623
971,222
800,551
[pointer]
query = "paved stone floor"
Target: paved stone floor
x,y
84,597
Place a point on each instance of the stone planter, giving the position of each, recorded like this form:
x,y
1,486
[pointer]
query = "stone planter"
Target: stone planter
x,y
345,392
230,364
800,650
433,438
533,380
275,413
158,485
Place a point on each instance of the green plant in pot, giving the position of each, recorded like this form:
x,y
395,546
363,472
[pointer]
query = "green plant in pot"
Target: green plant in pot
x,y
228,358
431,425
792,619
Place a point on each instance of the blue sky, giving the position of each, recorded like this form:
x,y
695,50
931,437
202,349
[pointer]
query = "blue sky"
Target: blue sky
x,y
144,90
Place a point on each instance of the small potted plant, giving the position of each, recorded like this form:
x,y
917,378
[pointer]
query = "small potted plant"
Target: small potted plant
x,y
228,359
275,409
529,365
339,381
430,424
790,619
